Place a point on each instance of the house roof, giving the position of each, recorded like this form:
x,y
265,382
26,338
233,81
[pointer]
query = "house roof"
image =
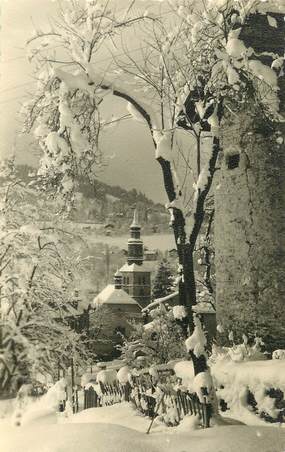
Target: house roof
x,y
135,268
110,295
150,252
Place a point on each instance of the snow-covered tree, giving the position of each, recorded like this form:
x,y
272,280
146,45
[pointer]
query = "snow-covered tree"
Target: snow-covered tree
x,y
163,281
37,271
64,112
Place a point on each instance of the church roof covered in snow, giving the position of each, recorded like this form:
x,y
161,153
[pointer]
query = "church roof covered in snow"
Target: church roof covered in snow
x,y
135,268
110,295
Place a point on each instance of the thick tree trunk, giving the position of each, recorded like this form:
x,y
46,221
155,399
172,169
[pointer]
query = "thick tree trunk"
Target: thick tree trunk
x,y
187,284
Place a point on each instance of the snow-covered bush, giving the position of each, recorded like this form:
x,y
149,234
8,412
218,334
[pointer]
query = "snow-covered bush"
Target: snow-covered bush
x,y
39,410
251,386
238,353
88,376
246,381
55,395
156,342
123,375
179,312
107,376
153,373
185,372
278,354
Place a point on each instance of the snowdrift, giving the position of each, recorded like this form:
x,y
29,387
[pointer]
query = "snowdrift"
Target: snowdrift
x,y
107,437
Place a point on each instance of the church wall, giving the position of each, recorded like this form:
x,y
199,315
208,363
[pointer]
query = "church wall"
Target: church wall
x,y
116,317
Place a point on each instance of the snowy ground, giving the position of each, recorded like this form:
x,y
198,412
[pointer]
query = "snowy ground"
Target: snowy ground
x,y
7,407
120,429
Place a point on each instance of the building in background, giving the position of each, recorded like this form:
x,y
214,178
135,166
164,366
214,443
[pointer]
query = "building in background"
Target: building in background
x,y
136,272
120,310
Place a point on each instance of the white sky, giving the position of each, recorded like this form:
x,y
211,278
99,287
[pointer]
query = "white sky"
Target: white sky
x,y
133,163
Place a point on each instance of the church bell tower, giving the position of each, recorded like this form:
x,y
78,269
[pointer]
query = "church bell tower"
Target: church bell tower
x,y
135,244
136,273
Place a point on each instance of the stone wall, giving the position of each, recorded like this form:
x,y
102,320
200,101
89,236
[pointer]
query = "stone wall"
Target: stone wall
x,y
250,229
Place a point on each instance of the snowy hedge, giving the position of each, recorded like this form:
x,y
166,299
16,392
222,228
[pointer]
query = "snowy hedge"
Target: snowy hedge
x,y
255,385
243,388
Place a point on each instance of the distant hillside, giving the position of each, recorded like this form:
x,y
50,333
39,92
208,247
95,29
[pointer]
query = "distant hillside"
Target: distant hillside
x,y
114,205
100,189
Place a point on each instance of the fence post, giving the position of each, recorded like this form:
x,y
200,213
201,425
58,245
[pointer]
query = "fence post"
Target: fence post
x,y
155,413
207,408
72,386
189,402
76,401
179,405
208,413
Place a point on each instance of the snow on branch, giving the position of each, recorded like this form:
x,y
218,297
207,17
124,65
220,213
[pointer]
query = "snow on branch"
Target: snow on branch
x,y
197,342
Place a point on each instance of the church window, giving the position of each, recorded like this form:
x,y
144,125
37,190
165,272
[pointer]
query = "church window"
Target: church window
x,y
233,161
141,292
143,280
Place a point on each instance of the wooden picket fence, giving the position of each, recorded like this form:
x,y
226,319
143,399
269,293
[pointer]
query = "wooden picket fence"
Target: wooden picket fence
x,y
152,397
180,403
163,395
106,394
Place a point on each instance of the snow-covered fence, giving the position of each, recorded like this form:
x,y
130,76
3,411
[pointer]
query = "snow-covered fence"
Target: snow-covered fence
x,y
90,398
154,392
160,395
171,405
104,394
